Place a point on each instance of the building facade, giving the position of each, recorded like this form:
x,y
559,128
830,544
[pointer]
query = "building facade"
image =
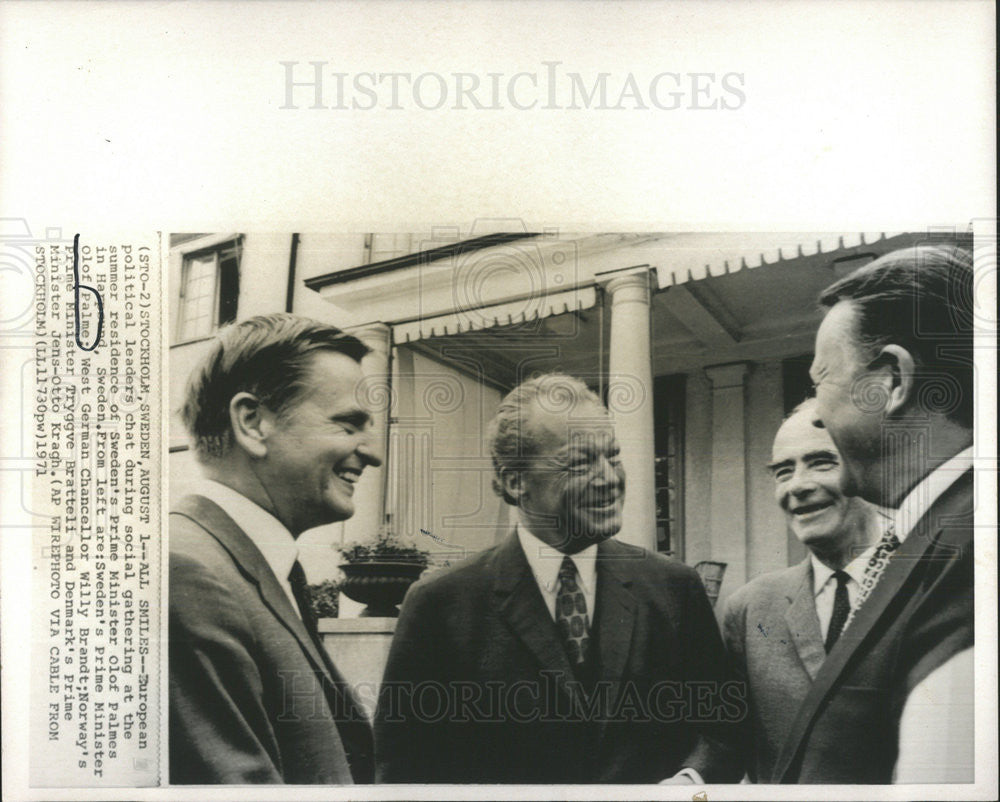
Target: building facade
x,y
699,342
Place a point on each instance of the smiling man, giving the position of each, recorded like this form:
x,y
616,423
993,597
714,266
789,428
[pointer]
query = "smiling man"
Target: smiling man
x,y
274,415
896,390
560,655
780,626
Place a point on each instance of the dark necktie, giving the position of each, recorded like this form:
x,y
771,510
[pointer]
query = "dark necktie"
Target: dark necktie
x,y
571,614
300,590
355,732
841,609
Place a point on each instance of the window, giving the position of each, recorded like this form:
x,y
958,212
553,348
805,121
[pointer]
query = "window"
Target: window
x,y
669,393
210,288
795,381
382,247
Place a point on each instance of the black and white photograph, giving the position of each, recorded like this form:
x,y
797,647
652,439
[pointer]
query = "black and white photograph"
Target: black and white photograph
x,y
560,399
496,495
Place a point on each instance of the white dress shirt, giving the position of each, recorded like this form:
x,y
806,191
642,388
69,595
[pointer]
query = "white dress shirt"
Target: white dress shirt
x,y
937,730
544,562
937,725
920,499
268,534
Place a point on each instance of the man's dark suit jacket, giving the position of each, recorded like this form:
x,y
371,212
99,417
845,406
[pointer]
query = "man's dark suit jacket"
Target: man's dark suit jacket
x,y
251,698
478,687
772,632
918,616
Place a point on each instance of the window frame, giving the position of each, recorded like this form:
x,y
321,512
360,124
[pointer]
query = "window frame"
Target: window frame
x,y
192,250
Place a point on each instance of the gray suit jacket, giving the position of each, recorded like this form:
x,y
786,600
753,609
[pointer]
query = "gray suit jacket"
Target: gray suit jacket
x,y
252,700
773,636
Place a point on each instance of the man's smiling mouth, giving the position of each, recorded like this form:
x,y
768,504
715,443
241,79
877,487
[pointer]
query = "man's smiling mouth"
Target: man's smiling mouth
x,y
809,509
603,503
348,475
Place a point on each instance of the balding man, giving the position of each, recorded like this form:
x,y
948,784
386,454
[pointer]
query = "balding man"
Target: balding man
x,y
780,626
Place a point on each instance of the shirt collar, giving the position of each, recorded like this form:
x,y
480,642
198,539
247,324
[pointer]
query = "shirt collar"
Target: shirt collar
x,y
855,569
821,574
544,561
266,532
919,500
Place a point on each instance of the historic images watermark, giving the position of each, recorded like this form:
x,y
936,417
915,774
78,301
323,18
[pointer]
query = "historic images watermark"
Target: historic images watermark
x,y
319,85
552,697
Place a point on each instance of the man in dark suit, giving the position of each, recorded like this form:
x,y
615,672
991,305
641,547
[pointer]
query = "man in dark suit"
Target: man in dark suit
x,y
254,698
893,369
779,627
560,655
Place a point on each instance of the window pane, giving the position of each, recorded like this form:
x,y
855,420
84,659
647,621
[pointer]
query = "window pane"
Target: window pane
x,y
210,293
198,297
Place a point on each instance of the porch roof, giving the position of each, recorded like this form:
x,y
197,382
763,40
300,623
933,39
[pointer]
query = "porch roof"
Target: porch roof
x,y
511,313
692,257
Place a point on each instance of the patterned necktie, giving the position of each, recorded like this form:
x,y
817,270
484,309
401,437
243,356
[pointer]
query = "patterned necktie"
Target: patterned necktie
x,y
571,614
874,569
841,609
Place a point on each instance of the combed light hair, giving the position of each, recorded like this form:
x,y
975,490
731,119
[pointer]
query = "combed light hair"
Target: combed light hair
x,y
921,299
511,441
268,356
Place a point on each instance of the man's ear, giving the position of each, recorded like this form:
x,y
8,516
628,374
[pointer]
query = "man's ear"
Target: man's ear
x,y
512,482
251,423
902,372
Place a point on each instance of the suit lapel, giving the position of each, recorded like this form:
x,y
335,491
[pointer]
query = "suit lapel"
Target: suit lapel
x,y
802,621
614,613
349,717
900,567
252,564
520,604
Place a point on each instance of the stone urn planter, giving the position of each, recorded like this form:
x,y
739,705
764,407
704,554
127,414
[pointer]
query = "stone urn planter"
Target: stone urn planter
x,y
379,584
378,574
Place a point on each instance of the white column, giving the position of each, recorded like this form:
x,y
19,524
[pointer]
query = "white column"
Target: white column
x,y
630,399
375,391
728,493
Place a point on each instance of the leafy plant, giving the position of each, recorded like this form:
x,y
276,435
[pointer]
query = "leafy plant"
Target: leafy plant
x,y
325,598
386,547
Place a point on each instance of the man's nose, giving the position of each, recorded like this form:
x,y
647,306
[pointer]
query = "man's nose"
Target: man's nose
x,y
800,485
606,472
366,450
